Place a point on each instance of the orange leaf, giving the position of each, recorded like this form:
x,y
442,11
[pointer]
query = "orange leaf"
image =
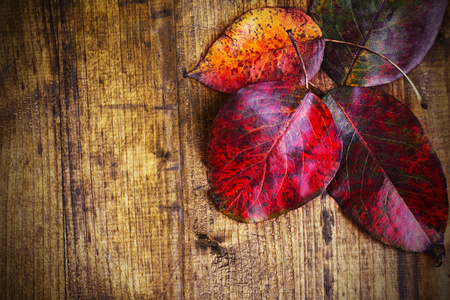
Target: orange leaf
x,y
256,48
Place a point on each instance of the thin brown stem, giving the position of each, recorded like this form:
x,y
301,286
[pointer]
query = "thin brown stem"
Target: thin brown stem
x,y
317,88
390,61
289,32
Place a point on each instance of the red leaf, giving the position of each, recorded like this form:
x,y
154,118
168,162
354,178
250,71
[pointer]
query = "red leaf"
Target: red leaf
x,y
256,48
273,147
390,180
402,30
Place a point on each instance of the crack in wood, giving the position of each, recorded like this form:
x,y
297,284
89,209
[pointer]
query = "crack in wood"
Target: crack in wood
x,y
124,106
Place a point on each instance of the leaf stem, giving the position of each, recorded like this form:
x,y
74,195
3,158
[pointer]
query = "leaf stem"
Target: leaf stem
x,y
390,61
317,88
289,32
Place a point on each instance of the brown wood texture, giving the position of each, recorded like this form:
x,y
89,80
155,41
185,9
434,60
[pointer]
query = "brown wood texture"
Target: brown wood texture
x,y
103,189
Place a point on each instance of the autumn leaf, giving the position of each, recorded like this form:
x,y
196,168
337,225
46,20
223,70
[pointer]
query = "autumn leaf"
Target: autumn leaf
x,y
256,48
273,147
401,30
390,181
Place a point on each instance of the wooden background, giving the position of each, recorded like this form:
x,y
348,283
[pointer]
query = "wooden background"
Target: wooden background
x,y
103,190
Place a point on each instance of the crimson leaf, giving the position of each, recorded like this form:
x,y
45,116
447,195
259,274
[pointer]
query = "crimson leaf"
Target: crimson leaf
x,y
273,147
390,181
402,30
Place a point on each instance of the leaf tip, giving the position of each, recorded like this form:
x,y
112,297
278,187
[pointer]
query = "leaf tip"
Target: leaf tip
x,y
438,252
192,74
439,263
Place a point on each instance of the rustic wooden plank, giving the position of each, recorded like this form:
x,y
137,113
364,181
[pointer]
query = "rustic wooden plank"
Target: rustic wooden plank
x,y
102,144
33,260
5,163
9,161
120,149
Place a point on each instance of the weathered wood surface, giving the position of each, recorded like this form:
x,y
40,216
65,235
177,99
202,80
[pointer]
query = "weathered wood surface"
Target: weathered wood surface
x,y
102,176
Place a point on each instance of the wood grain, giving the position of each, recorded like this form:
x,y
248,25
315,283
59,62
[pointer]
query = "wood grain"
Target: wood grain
x,y
103,189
